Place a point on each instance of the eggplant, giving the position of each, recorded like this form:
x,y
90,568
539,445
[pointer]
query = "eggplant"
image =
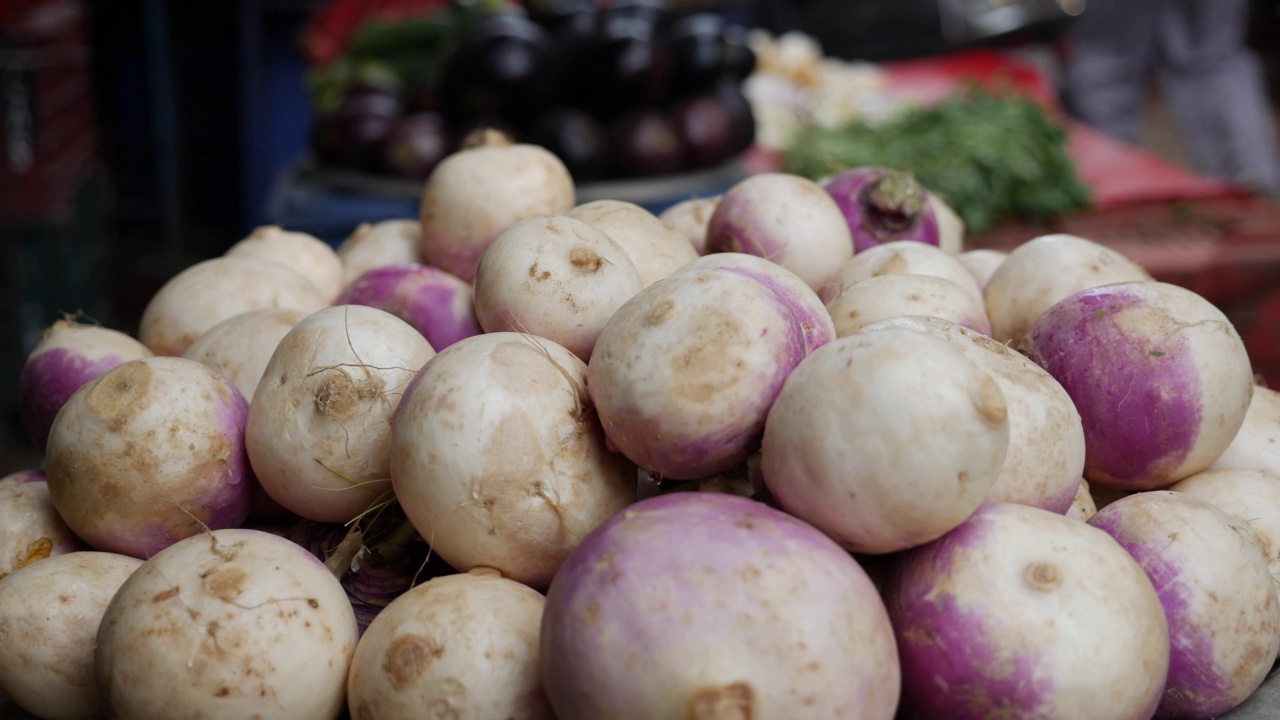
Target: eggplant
x,y
416,145
576,138
354,135
706,131
626,67
657,13
645,144
728,92
502,71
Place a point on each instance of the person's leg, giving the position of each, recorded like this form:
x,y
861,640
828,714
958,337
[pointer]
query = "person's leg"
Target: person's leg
x,y
1216,91
1110,51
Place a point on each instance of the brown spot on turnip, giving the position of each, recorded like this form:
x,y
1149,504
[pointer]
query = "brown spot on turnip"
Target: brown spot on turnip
x,y
120,394
313,603
591,615
225,583
165,595
659,313
339,396
585,259
728,702
1043,576
745,522
408,657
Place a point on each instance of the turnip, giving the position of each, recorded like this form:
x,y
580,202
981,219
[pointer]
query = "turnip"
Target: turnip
x,y
319,428
498,459
30,528
371,246
1218,596
230,624
205,294
1083,506
458,646
49,617
1250,495
899,257
889,296
439,305
1161,379
149,453
885,440
1256,446
784,218
1046,451
684,373
1021,613
1042,271
305,254
554,277
707,606
690,218
481,190
241,346
981,264
881,205
950,226
653,246
68,355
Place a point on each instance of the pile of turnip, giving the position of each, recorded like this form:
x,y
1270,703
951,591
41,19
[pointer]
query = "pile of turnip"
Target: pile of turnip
x,y
791,451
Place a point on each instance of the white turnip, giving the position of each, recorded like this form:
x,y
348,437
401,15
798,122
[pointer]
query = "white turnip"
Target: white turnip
x,y
241,346
900,257
881,205
498,459
1161,379
690,218
889,296
30,528
1083,506
69,355
462,646
1219,597
654,247
885,440
1256,445
376,245
305,254
950,226
49,618
554,277
726,608
1250,495
1021,613
439,305
149,453
981,264
319,428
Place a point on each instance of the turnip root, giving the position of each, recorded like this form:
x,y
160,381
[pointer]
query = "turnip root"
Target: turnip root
x,y
950,226
690,218
1218,596
205,294
784,218
981,264
461,646
889,296
843,450
882,205
554,277
1249,495
439,305
685,371
30,528
900,257
728,608
479,191
69,355
230,624
653,246
498,459
1256,446
382,244
241,346
49,617
1161,379
1046,451
319,427
1083,507
306,255
149,453
1045,270
1022,613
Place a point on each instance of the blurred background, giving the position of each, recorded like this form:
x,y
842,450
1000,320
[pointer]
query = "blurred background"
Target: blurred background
x,y
142,136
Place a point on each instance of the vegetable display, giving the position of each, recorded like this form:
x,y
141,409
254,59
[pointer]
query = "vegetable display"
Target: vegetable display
x,y
532,458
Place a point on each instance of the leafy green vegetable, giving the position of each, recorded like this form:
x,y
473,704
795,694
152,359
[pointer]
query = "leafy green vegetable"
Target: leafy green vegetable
x,y
990,156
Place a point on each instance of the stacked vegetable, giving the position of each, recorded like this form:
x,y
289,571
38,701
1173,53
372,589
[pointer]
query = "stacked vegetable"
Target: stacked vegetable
x,y
586,467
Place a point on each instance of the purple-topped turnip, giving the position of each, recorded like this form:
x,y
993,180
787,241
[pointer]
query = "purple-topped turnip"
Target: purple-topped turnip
x,y
784,218
149,453
370,246
69,355
950,225
1256,446
881,205
31,529
437,304
899,257
1160,377
883,297
1218,596
1021,613
654,247
726,608
1250,495
241,346
305,254
690,218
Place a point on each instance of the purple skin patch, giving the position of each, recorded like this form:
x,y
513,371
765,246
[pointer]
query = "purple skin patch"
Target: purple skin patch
x,y
22,476
1138,397
438,304
910,218
1193,689
812,317
50,379
951,667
